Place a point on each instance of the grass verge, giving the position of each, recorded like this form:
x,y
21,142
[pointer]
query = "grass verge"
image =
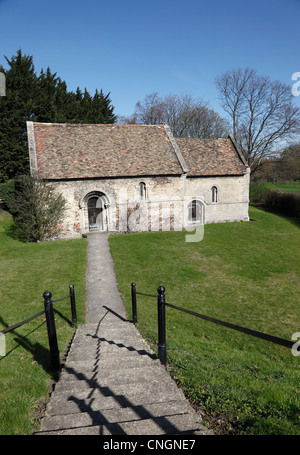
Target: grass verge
x,y
244,273
27,270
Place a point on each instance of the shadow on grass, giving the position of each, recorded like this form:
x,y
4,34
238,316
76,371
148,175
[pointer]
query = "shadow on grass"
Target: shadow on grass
x,y
39,353
292,219
15,233
67,320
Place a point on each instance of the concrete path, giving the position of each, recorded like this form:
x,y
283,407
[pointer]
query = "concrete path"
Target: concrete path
x,y
112,383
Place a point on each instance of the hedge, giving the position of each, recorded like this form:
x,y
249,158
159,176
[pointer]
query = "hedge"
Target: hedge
x,y
284,202
258,191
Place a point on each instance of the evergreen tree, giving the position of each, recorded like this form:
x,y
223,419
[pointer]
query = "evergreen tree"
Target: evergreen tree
x,y
37,209
45,105
103,111
86,108
64,101
15,109
42,98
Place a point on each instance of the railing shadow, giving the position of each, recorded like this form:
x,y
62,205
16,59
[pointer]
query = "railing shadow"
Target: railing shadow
x,y
67,320
39,353
98,418
129,348
142,352
114,313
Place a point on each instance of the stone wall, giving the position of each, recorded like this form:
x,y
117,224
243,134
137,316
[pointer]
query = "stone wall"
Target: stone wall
x,y
232,197
166,206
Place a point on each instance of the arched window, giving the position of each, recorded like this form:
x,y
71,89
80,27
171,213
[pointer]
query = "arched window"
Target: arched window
x,y
195,211
143,194
214,194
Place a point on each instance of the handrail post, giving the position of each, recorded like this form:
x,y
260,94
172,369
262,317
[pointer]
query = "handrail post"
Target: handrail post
x,y
54,352
133,300
162,347
73,305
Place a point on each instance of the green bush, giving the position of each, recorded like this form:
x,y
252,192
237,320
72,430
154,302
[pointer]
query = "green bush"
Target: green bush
x,y
258,191
37,209
283,202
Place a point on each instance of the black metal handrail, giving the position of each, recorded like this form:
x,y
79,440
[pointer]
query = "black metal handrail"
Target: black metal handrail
x,y
12,327
49,312
162,329
71,296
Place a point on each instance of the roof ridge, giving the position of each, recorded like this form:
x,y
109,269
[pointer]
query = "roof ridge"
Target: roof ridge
x,y
98,124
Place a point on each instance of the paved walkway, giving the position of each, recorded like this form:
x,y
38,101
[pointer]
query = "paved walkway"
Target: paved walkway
x,y
112,383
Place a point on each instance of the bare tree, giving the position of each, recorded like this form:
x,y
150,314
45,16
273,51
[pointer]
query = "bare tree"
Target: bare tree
x,y
126,120
291,162
185,116
261,112
150,112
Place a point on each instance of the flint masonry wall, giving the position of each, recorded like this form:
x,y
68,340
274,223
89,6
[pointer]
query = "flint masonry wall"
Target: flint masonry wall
x,y
125,211
165,207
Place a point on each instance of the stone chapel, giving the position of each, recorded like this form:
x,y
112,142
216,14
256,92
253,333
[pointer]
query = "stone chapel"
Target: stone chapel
x,y
131,178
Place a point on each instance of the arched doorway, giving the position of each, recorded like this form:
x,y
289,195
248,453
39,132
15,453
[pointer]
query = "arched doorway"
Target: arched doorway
x,y
196,211
97,211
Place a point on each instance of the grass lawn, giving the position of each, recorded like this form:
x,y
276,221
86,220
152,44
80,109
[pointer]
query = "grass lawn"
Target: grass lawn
x,y
27,270
243,273
293,187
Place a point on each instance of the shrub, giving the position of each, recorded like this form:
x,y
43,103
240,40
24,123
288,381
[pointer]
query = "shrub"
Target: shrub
x,y
284,202
37,208
258,191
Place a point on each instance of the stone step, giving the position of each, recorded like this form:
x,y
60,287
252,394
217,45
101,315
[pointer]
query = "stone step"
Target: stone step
x,y
119,339
137,377
110,327
108,334
142,371
88,350
111,317
114,354
110,344
182,424
110,349
68,401
116,387
92,364
117,415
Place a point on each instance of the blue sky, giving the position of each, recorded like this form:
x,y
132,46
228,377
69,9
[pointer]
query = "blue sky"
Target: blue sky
x,y
133,48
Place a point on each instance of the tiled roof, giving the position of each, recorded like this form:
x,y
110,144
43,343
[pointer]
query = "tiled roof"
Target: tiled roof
x,y
64,151
209,157
74,151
